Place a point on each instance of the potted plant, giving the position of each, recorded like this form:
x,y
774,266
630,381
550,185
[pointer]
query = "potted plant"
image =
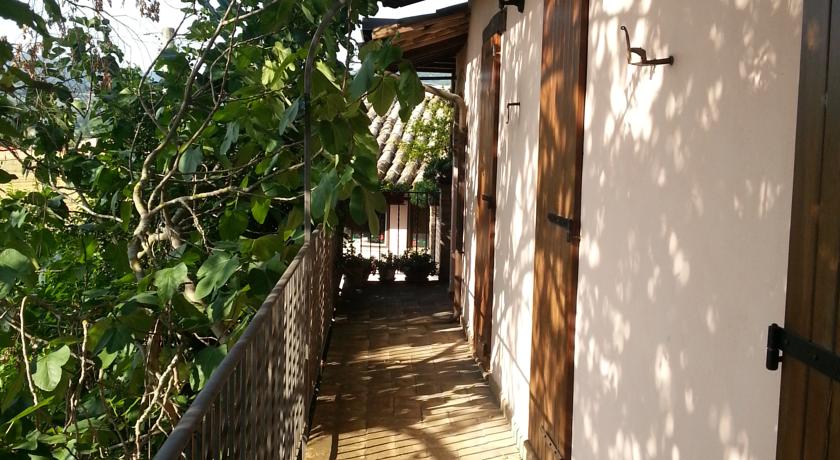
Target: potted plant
x,y
387,266
356,268
417,266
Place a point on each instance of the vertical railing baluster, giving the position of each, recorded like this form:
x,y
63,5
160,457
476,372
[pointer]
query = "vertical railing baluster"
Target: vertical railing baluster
x,y
248,391
204,437
217,430
229,415
256,394
277,389
237,424
260,391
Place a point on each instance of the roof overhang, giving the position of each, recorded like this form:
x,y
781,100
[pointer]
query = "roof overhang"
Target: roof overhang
x,y
430,41
399,3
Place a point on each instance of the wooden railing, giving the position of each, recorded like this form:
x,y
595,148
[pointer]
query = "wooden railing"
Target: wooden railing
x,y
256,404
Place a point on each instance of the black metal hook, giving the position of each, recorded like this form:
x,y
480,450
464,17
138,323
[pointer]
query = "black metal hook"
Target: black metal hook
x,y
507,111
643,54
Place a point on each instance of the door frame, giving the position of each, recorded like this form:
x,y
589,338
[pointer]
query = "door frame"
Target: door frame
x,y
566,27
811,307
485,215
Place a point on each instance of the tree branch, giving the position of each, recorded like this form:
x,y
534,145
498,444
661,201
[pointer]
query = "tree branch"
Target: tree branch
x,y
23,351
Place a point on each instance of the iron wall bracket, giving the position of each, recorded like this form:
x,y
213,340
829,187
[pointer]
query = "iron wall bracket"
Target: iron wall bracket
x,y
519,4
642,53
782,343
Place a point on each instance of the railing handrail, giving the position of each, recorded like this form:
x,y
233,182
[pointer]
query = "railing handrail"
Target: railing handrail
x,y
192,418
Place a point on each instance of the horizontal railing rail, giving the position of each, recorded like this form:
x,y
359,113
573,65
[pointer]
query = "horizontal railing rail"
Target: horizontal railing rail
x,y
256,403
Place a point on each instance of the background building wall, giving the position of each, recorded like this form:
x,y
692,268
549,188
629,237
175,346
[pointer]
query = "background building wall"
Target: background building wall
x,y
10,164
687,178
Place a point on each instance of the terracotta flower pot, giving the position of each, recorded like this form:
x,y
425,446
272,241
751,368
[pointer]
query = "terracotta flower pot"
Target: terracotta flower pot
x,y
357,275
387,275
416,275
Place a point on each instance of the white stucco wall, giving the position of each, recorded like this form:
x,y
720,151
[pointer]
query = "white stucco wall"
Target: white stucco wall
x,y
686,214
516,186
396,234
480,13
515,198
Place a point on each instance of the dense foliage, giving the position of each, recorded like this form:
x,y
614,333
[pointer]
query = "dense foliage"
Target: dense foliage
x,y
431,134
169,203
430,144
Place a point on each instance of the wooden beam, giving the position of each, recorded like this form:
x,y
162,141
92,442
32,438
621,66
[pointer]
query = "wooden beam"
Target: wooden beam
x,y
394,29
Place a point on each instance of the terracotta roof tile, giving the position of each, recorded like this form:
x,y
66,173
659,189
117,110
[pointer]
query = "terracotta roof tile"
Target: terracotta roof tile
x,y
392,134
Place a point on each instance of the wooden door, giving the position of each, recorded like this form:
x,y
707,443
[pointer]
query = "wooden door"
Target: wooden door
x,y
557,227
809,411
485,216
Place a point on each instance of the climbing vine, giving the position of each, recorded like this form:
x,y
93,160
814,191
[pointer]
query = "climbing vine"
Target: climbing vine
x,y
431,135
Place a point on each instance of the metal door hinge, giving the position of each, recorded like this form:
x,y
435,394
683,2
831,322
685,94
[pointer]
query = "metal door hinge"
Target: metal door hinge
x,y
550,445
782,343
567,224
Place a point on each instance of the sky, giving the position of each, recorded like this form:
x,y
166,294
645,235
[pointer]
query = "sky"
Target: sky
x,y
139,38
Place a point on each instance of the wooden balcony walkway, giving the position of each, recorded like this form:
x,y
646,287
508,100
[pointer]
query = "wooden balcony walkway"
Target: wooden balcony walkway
x,y
400,382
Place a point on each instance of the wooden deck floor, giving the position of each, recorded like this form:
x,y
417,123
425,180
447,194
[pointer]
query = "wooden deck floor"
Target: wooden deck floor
x,y
400,382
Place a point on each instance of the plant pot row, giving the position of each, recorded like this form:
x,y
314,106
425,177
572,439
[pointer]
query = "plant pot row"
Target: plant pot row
x,y
416,266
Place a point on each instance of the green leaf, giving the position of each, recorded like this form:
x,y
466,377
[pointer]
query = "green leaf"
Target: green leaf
x,y
48,369
188,311
410,91
115,342
14,266
289,116
374,204
387,55
23,15
215,273
259,208
362,80
6,54
53,10
383,96
168,280
231,136
227,308
266,247
232,224
5,177
323,196
206,361
266,164
231,111
357,205
7,334
327,72
14,260
190,161
42,403
145,298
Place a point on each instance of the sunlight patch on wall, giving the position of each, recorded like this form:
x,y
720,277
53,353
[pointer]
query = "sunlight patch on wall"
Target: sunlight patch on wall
x,y
662,375
617,6
653,283
681,267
